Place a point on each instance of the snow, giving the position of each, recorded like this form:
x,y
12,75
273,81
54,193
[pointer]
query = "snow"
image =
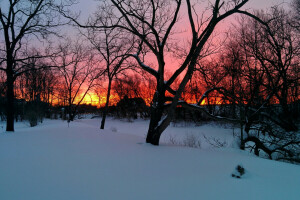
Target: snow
x,y
52,161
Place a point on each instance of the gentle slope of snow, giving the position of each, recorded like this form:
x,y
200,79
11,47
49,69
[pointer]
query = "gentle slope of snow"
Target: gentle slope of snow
x,y
54,162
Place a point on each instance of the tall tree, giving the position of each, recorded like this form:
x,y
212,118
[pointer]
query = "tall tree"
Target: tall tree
x,y
22,21
113,47
78,70
153,23
275,45
259,62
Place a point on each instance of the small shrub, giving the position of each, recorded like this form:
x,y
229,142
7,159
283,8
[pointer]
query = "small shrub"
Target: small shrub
x,y
215,142
239,171
173,140
114,129
191,140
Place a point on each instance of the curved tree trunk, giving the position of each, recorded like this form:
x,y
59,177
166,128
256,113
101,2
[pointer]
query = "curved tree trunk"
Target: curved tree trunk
x,y
156,113
153,135
106,105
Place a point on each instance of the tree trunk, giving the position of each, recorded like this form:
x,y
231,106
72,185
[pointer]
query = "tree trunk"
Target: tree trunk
x,y
70,107
153,137
72,114
10,100
106,105
157,125
157,107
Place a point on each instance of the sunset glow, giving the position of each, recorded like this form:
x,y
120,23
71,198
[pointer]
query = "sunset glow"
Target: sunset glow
x,y
93,99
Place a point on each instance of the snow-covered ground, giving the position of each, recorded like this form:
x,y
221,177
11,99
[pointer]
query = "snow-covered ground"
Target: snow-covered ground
x,y
55,162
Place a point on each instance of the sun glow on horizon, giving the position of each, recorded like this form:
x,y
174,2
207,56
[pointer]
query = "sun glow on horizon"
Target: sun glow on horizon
x,y
99,100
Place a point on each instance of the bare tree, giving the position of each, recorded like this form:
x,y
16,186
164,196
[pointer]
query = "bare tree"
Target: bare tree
x,y
20,23
79,72
37,82
153,23
35,89
259,63
129,85
276,47
99,90
113,47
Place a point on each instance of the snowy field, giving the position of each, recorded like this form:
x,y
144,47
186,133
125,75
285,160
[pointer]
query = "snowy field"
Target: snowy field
x,y
55,162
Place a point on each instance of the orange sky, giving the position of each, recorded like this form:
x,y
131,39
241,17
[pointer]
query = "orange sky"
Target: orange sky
x,y
93,99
